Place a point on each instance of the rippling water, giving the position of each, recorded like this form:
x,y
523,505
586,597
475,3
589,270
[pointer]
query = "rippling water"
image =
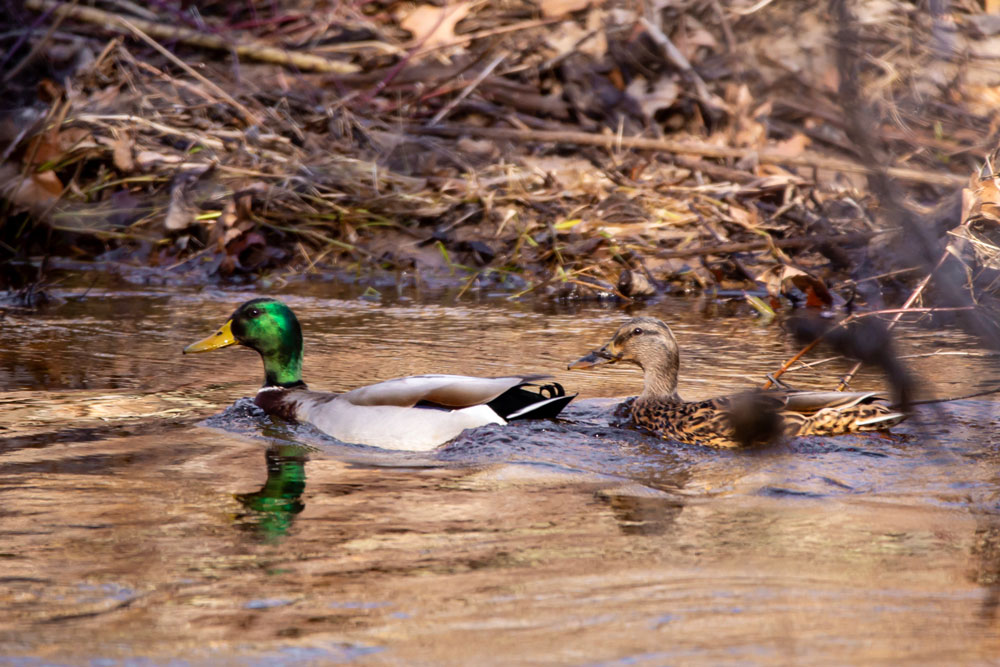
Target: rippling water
x,y
150,515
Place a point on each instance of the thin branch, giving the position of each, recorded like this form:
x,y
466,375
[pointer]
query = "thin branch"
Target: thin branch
x,y
463,40
781,371
468,89
248,116
749,246
260,52
764,156
922,355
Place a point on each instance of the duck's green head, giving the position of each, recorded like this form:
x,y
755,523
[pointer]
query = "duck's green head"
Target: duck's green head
x,y
271,328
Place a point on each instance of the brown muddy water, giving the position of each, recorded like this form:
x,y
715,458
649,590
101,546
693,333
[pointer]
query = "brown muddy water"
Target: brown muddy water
x,y
145,520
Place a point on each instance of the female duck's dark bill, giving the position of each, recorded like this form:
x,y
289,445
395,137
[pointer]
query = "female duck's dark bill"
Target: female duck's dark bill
x,y
595,358
221,338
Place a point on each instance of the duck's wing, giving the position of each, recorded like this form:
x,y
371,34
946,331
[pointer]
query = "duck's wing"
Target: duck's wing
x,y
539,402
837,412
447,391
812,401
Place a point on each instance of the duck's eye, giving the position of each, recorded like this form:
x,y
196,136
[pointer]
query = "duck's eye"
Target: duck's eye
x,y
253,312
636,331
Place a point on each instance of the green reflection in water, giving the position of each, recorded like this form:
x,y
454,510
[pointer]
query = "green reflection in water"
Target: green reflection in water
x,y
273,509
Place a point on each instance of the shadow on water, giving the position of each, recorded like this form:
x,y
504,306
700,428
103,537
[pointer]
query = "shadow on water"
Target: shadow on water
x,y
641,514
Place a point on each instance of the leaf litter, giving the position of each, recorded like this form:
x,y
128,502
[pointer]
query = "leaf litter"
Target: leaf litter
x,y
558,146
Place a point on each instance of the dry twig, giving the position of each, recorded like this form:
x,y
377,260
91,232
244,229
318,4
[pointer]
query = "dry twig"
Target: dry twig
x,y
260,52
613,142
769,243
248,116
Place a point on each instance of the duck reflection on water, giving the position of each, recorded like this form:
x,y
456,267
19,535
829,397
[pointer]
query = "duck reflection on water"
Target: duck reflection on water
x,y
271,511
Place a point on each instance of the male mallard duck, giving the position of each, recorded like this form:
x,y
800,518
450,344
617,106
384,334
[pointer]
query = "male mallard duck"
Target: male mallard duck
x,y
729,421
414,413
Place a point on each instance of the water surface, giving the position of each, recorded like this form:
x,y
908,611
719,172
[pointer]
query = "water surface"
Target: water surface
x,y
146,519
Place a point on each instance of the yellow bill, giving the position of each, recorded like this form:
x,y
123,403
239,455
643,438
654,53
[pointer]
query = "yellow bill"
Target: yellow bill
x,y
222,338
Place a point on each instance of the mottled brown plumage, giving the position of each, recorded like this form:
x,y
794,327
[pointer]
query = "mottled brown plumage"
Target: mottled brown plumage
x,y
749,418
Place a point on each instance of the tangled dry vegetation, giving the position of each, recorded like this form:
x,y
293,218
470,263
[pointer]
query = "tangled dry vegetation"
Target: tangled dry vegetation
x,y
569,146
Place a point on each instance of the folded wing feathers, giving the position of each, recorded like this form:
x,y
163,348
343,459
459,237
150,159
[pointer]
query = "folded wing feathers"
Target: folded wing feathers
x,y
538,407
452,391
889,417
810,401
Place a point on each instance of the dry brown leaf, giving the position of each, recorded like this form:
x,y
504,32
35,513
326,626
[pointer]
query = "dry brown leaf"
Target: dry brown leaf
x,y
779,277
183,209
570,36
745,109
229,217
180,213
635,283
38,190
693,36
573,175
775,174
987,48
793,146
231,235
121,153
479,147
235,218
876,12
53,146
557,8
982,100
748,219
771,181
982,197
105,98
434,26
980,227
148,160
652,98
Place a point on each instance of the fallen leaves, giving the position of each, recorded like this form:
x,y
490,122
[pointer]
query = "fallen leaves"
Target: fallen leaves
x,y
652,97
434,26
37,191
780,278
980,228
54,146
334,164
557,8
121,152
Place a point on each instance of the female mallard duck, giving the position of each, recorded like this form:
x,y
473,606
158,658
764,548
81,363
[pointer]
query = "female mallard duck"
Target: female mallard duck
x,y
742,419
413,413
